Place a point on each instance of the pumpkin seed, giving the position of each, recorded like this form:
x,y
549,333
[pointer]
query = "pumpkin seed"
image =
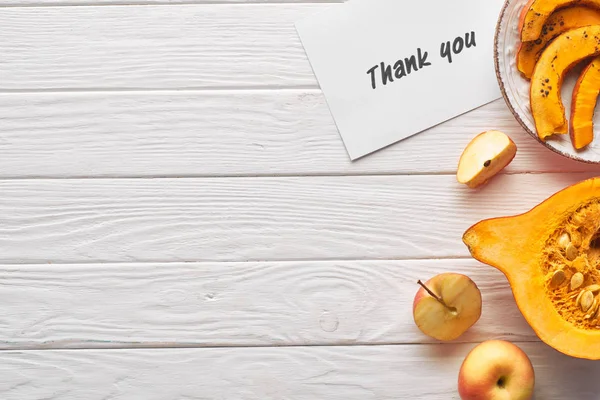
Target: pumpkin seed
x,y
578,300
558,278
571,252
592,310
593,288
564,240
587,299
576,281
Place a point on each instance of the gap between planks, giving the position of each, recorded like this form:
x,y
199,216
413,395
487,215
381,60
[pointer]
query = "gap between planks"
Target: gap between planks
x,y
175,346
233,261
257,176
158,90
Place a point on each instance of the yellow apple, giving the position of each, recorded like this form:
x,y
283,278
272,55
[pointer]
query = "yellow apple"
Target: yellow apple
x,y
486,155
446,306
496,370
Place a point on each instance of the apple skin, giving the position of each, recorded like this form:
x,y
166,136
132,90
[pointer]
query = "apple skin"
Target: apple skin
x,y
494,370
434,319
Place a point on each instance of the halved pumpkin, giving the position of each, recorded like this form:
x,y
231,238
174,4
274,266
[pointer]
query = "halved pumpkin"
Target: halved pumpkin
x,y
559,22
585,96
550,256
536,12
563,53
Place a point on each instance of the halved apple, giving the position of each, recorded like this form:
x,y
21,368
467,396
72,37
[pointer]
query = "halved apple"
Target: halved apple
x,y
536,12
563,53
486,155
585,96
559,22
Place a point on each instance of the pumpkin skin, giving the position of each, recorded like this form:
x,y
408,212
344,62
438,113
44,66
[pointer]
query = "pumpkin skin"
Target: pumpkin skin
x,y
517,246
536,12
559,57
585,96
558,23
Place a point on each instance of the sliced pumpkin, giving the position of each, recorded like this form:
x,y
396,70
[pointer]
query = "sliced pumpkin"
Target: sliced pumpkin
x,y
559,22
563,53
585,96
536,12
550,256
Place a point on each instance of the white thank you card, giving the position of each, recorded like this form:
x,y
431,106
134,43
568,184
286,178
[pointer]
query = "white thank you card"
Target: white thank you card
x,y
390,68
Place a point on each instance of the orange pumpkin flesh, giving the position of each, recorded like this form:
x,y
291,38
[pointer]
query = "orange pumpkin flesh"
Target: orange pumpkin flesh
x,y
585,96
559,22
530,248
563,53
535,14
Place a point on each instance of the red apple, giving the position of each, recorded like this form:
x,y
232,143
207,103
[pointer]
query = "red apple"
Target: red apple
x,y
496,369
447,305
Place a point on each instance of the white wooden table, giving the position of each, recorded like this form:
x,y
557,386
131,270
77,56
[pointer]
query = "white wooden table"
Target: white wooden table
x,y
179,219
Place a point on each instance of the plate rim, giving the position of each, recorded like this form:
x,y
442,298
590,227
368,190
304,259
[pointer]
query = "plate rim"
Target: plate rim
x,y
508,102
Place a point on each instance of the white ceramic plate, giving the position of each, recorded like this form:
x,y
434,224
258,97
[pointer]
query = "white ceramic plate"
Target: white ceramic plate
x,y
515,88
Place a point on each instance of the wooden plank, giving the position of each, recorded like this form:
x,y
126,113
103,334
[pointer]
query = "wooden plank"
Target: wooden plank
x,y
153,47
426,372
236,304
226,133
233,219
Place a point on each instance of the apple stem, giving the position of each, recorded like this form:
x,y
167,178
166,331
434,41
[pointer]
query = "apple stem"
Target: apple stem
x,y
435,296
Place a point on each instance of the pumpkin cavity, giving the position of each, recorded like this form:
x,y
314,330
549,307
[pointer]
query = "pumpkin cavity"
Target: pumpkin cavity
x,y
571,267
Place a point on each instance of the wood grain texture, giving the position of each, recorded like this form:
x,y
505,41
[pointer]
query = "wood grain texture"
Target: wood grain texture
x,y
235,304
241,219
427,372
180,46
226,133
85,92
